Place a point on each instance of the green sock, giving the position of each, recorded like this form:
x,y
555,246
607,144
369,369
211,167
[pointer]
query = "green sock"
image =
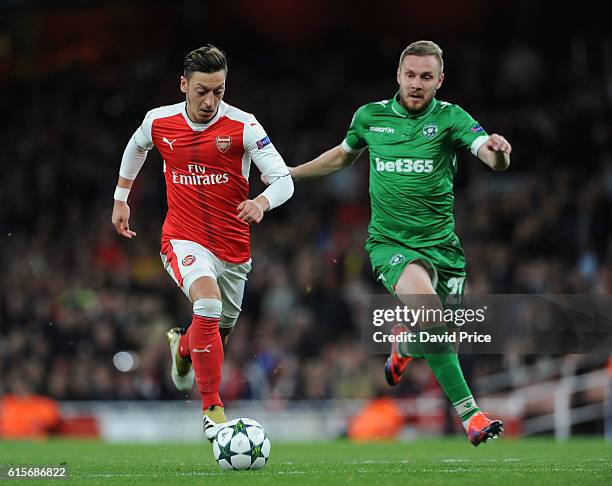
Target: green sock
x,y
444,362
411,349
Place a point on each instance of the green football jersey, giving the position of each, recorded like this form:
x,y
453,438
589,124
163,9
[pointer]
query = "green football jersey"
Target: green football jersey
x,y
413,161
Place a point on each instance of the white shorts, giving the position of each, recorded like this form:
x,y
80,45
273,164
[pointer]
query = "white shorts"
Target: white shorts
x,y
187,261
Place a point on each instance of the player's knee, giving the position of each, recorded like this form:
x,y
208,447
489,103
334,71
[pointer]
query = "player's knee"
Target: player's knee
x,y
204,288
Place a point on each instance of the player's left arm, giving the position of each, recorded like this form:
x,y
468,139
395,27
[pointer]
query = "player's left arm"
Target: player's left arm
x,y
264,155
495,152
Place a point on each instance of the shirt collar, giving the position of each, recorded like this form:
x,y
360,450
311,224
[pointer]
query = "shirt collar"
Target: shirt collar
x,y
397,107
203,126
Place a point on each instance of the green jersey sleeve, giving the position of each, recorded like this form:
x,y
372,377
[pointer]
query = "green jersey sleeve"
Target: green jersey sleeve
x,y
354,140
467,132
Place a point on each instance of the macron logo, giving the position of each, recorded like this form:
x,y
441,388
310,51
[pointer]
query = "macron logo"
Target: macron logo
x,y
165,140
205,350
382,129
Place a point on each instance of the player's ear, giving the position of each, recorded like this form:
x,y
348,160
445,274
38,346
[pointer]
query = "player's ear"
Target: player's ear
x,y
440,80
184,84
398,76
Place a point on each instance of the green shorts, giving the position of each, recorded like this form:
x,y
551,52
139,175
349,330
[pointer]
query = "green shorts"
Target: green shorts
x,y
445,264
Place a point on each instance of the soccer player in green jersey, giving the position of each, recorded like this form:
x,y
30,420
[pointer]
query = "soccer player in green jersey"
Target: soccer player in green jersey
x,y
413,140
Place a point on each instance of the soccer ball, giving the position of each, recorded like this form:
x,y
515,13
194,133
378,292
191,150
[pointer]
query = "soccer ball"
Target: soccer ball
x,y
241,444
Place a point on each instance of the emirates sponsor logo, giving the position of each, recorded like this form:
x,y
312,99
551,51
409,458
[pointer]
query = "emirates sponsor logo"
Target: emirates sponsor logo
x,y
197,176
188,260
223,144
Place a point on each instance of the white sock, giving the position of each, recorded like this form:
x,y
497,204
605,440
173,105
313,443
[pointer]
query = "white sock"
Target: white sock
x,y
464,407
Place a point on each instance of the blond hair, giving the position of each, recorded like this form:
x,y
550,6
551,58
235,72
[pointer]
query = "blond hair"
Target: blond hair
x,y
423,48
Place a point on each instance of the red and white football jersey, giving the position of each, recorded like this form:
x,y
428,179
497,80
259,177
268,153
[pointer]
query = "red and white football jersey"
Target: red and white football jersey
x,y
206,167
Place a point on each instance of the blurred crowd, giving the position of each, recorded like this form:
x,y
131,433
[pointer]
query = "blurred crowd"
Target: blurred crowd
x,y
74,294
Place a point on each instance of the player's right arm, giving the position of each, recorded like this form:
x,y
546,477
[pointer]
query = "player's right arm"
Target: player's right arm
x,y
132,161
327,163
338,157
121,210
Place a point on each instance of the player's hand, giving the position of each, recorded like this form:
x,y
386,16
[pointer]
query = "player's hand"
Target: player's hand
x,y
250,211
121,218
497,143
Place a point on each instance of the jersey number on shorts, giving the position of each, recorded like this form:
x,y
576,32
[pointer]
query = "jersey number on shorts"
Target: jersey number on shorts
x,y
455,290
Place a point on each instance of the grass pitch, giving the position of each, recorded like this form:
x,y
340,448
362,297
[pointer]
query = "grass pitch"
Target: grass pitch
x,y
434,461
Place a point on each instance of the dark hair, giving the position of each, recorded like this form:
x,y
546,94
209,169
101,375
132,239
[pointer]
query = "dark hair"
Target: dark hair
x,y
206,59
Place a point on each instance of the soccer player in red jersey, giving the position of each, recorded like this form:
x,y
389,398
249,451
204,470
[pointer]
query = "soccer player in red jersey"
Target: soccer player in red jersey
x,y
207,147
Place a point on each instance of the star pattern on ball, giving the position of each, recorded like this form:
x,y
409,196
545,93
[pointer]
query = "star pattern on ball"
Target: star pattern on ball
x,y
225,451
245,443
238,428
256,451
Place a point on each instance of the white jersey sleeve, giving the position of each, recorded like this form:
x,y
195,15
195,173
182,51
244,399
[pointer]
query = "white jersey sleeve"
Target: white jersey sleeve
x,y
136,150
142,136
264,155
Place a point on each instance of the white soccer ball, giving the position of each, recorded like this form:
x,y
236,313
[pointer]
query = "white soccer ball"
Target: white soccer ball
x,y
241,444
